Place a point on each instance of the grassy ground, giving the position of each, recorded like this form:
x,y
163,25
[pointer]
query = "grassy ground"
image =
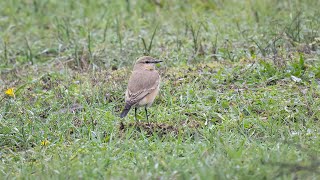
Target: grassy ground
x,y
239,99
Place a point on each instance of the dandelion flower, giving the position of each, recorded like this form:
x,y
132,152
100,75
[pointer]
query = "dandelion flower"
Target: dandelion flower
x,y
45,142
9,92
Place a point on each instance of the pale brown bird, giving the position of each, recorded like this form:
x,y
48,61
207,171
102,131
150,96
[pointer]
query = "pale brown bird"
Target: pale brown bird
x,y
143,85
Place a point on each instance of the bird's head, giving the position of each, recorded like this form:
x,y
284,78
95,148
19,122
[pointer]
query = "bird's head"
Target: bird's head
x,y
146,62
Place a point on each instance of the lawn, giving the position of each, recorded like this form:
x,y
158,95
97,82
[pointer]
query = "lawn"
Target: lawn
x,y
239,97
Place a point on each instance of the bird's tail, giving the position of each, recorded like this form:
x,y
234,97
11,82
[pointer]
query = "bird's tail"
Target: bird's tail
x,y
125,111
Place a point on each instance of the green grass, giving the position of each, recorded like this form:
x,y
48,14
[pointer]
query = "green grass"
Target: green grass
x,y
239,99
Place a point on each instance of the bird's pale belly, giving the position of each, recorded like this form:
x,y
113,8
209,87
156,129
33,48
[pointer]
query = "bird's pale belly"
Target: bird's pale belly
x,y
148,100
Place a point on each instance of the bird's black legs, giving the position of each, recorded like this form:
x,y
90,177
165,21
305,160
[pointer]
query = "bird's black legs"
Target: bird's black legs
x,y
145,108
135,113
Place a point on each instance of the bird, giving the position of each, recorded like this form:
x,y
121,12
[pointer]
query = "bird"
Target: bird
x,y
143,86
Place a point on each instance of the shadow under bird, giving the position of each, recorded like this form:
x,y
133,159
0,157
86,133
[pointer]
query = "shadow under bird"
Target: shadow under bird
x,y
143,85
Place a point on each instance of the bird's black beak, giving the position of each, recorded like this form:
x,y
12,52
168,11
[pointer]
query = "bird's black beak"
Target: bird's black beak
x,y
157,61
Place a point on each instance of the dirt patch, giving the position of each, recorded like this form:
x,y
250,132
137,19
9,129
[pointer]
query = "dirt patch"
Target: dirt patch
x,y
48,82
160,129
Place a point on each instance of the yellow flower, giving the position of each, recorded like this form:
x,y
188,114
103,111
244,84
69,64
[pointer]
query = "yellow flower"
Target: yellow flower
x,y
45,142
9,92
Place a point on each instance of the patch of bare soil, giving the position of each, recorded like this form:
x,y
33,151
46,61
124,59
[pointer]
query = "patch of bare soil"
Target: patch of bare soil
x,y
160,129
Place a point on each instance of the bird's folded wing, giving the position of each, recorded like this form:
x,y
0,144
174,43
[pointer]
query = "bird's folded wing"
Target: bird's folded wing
x,y
136,97
140,85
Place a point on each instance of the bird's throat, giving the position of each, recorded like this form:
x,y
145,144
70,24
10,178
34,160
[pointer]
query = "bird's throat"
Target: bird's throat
x,y
149,68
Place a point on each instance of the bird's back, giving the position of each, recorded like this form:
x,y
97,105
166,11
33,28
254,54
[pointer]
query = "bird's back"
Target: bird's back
x,y
143,80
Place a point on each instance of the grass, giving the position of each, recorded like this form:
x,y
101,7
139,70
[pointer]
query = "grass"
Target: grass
x,y
239,95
